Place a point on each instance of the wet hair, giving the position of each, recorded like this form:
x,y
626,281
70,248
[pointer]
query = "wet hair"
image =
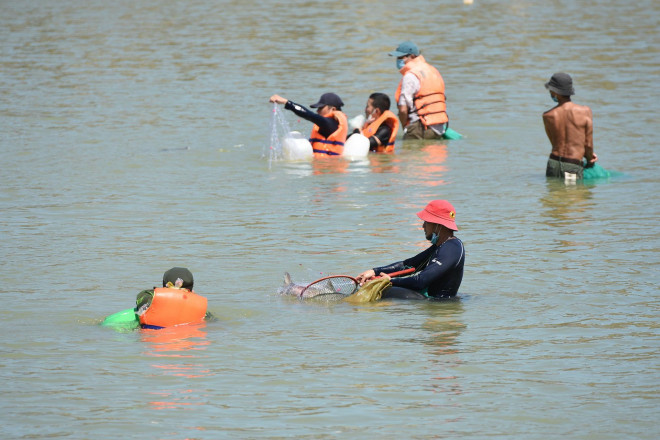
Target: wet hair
x,y
380,101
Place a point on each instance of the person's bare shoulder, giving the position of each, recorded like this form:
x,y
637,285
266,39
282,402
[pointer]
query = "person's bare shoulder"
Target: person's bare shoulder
x,y
584,109
552,111
577,112
551,114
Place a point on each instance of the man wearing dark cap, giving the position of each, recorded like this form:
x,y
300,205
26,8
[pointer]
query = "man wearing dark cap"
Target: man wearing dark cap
x,y
420,96
330,124
570,130
179,277
438,269
175,278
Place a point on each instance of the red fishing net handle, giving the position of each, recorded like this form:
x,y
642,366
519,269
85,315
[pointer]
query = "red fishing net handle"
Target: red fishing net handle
x,y
345,284
394,274
400,272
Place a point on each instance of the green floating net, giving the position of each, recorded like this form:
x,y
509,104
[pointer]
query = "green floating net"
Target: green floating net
x,y
124,320
452,134
371,291
596,172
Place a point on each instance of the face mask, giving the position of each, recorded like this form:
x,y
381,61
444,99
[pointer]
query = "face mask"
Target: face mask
x,y
554,98
400,63
434,238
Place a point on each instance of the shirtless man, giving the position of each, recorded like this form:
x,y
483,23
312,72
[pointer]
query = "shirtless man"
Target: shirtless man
x,y
570,131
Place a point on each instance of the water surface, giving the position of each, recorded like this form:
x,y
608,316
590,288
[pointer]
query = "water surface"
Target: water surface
x,y
133,140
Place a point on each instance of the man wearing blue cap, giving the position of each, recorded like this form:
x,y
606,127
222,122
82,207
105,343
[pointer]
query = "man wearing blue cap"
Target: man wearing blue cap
x,y
569,127
420,95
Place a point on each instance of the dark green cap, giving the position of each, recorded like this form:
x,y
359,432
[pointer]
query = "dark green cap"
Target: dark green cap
x,y
179,272
405,48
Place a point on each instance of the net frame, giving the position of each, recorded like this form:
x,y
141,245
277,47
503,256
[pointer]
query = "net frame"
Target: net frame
x,y
343,284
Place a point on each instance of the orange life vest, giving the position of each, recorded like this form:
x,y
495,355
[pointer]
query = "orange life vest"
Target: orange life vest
x,y
370,129
333,145
170,307
430,99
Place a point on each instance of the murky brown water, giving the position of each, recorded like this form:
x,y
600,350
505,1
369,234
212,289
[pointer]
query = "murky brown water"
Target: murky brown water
x,y
132,140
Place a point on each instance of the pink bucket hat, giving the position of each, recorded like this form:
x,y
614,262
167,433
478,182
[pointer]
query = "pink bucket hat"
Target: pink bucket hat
x,y
441,212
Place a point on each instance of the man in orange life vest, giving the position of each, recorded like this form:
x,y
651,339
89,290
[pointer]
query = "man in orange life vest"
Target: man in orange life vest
x,y
171,309
330,124
381,125
420,95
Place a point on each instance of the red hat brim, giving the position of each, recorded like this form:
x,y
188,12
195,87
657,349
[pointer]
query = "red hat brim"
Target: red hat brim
x,y
441,218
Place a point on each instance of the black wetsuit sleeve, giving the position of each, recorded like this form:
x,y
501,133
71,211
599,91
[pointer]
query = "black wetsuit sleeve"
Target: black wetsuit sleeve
x,y
417,262
383,134
444,259
327,126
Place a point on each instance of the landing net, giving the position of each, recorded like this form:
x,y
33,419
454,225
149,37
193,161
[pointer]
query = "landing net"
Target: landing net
x,y
334,284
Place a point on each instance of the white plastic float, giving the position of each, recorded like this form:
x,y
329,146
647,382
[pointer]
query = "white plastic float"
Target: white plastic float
x,y
356,147
356,122
296,147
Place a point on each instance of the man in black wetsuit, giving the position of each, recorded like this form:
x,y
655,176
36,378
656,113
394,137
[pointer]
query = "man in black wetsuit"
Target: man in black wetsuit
x,y
438,269
330,124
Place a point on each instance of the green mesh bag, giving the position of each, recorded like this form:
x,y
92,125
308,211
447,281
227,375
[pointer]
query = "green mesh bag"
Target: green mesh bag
x,y
371,291
596,172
